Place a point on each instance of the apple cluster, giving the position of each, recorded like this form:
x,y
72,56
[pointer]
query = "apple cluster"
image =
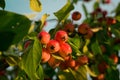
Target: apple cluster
x,y
60,48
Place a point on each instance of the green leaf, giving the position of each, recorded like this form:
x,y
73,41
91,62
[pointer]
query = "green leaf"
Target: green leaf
x,y
31,60
65,74
96,5
85,10
12,60
2,4
13,27
35,5
40,72
6,39
112,74
117,10
118,18
75,1
64,11
115,29
80,74
76,39
95,47
92,73
116,47
74,48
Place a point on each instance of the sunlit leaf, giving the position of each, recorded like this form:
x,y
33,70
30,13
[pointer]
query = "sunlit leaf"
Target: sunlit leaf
x,y
85,48
32,27
65,74
92,73
31,15
35,5
76,39
2,4
74,48
80,74
43,19
58,57
96,29
31,60
64,11
40,73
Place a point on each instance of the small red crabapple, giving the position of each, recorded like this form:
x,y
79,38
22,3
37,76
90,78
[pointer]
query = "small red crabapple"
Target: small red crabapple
x,y
69,27
53,62
53,46
71,63
83,28
102,67
82,59
114,57
89,34
45,55
27,43
76,15
61,36
65,50
63,65
110,20
44,37
99,77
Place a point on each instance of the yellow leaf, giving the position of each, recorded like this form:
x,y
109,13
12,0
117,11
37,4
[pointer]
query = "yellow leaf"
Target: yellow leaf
x,y
58,57
31,15
35,5
85,48
96,29
43,19
90,72
31,28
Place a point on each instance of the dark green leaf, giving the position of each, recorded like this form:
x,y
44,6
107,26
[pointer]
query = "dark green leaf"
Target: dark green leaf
x,y
117,10
6,39
31,60
75,1
2,4
64,11
13,27
112,74
116,47
85,10
115,29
